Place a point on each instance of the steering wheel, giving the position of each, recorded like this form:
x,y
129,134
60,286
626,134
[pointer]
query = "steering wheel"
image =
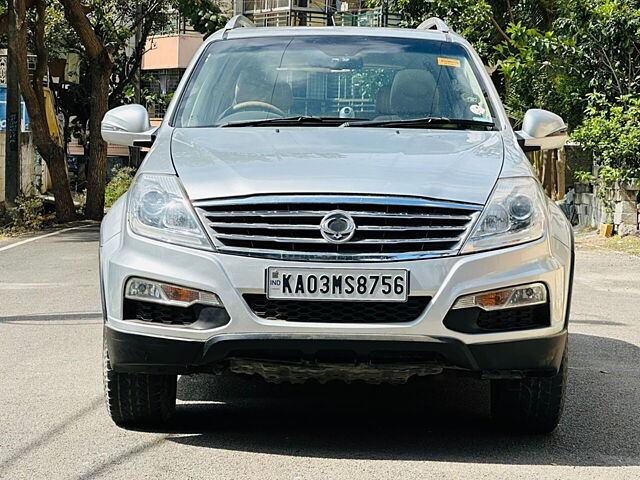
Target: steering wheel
x,y
243,106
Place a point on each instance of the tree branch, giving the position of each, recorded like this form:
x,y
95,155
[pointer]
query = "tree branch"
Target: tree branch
x,y
499,28
510,9
76,15
42,53
4,18
607,62
134,62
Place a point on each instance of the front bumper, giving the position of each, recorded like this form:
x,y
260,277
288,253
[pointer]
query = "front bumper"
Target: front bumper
x,y
134,344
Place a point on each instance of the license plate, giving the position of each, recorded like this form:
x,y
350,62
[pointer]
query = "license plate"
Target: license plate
x,y
337,284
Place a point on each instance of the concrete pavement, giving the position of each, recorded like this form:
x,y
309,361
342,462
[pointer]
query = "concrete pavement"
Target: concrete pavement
x,y
53,423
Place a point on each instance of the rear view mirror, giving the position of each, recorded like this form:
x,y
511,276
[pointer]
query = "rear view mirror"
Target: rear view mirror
x,y
128,125
542,130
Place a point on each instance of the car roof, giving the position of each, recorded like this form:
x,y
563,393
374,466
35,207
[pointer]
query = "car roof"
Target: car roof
x,y
245,32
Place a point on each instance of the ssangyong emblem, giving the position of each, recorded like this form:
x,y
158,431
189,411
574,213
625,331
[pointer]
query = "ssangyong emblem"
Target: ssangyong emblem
x,y
337,227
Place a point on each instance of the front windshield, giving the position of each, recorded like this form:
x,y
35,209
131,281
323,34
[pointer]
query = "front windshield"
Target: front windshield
x,y
344,77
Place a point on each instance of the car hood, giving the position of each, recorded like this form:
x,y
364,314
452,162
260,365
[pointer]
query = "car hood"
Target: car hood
x,y
228,162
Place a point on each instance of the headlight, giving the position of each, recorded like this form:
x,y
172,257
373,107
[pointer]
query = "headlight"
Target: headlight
x,y
159,209
514,214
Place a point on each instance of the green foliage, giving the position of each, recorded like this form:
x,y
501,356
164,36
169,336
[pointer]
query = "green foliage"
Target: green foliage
x,y
119,184
583,176
612,132
205,16
26,216
607,36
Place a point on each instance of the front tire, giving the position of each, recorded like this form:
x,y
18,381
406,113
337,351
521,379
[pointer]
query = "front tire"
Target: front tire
x,y
532,404
136,399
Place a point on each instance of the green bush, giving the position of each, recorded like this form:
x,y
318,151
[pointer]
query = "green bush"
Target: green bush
x,y
119,184
27,215
583,176
612,132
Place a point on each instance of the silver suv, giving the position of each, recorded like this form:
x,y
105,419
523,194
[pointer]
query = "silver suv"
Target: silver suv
x,y
336,203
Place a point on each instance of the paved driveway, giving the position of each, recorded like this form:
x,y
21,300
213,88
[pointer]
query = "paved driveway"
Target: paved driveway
x,y
53,423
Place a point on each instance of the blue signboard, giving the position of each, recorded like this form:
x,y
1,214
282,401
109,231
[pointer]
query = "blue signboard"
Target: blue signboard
x,y
3,111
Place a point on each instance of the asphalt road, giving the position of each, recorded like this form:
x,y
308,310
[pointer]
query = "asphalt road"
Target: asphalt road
x,y
53,423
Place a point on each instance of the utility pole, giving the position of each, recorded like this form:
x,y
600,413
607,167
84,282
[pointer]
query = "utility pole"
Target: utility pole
x,y
134,152
12,139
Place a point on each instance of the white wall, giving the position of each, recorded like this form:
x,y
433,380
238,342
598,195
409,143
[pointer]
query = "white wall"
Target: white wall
x,y
29,179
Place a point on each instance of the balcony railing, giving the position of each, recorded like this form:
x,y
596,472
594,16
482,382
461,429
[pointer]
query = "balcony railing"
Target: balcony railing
x,y
176,25
250,6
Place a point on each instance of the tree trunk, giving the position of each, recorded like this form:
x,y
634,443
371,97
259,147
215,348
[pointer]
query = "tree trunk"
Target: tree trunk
x,y
97,162
547,177
60,181
53,154
562,173
100,62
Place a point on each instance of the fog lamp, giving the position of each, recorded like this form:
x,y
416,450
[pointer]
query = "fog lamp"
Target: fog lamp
x,y
524,295
158,292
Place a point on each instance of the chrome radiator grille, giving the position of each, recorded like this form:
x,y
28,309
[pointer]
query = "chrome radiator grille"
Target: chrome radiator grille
x,y
288,227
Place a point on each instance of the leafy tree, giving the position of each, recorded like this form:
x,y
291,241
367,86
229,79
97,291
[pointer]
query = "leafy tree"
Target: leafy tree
x,y
105,29
101,32
606,34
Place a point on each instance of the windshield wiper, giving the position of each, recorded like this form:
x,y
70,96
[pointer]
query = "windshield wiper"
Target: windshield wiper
x,y
424,122
297,120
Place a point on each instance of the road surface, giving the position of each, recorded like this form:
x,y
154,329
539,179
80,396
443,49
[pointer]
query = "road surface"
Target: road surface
x,y
53,422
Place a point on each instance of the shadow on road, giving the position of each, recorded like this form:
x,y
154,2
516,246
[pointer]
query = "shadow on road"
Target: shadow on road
x,y
437,418
88,234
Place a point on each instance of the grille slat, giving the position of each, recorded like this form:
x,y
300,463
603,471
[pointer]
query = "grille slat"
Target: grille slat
x,y
368,228
387,228
322,213
269,226
369,241
288,227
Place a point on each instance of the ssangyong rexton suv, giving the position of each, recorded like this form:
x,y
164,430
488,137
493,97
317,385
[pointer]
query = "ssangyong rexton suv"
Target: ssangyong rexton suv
x,y
336,203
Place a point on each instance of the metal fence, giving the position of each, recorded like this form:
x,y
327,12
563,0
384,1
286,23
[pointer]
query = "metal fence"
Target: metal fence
x,y
284,13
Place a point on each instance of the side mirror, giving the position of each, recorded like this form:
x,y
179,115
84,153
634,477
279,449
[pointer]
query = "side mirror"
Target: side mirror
x,y
128,125
542,130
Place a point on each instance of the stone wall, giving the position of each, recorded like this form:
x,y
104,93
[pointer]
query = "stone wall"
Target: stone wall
x,y
619,205
625,208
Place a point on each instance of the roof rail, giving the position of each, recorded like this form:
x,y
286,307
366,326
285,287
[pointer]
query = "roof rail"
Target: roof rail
x,y
434,23
237,22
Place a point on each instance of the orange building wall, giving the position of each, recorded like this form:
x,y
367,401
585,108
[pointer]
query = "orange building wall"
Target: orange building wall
x,y
170,51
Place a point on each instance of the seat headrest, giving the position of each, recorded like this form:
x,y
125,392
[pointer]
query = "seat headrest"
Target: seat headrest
x,y
413,91
383,100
